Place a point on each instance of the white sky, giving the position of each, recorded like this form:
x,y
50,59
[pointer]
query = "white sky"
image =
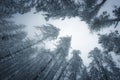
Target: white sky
x,y
82,39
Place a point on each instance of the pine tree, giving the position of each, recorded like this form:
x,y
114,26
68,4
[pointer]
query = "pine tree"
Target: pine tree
x,y
75,69
18,54
58,9
10,7
11,37
91,9
57,61
105,20
97,70
48,32
114,71
110,42
76,65
102,66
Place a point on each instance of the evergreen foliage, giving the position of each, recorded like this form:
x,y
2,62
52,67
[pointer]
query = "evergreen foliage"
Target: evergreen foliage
x,y
20,59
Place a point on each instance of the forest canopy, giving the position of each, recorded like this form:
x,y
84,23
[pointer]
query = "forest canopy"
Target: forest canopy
x,y
21,59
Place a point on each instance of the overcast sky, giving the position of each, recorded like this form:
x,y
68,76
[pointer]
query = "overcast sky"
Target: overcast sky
x,y
82,38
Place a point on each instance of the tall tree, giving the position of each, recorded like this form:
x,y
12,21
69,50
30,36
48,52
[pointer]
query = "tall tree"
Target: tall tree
x,y
10,7
110,65
91,9
110,42
11,36
48,32
58,60
102,66
75,69
97,70
58,9
18,54
105,20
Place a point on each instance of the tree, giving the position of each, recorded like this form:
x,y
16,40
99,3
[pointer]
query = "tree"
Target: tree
x,y
114,71
76,65
48,32
58,9
97,70
75,68
10,7
18,54
105,20
110,42
101,22
91,9
87,10
102,66
12,59
58,60
53,7
11,37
